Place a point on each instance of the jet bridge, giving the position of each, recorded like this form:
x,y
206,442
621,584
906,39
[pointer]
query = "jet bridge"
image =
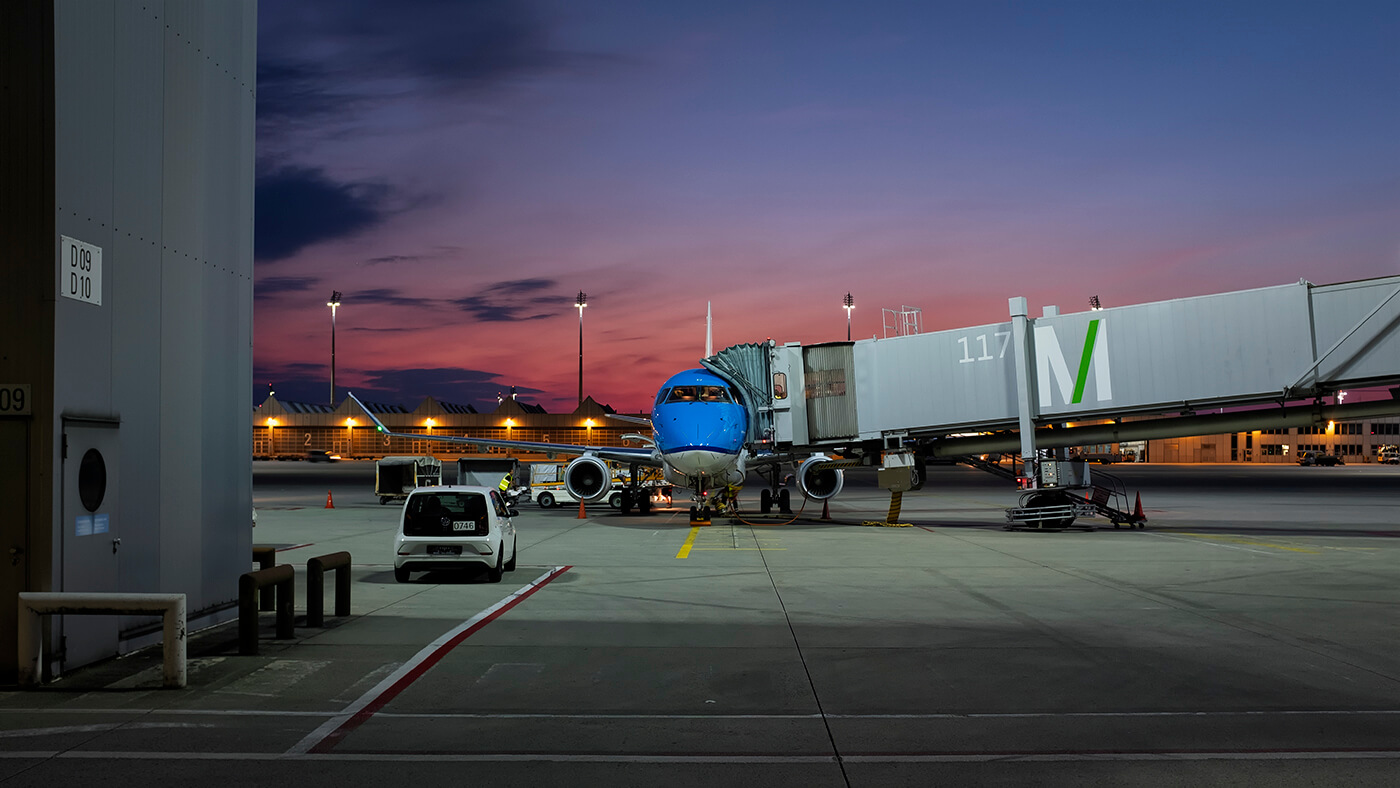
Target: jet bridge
x,y
1012,385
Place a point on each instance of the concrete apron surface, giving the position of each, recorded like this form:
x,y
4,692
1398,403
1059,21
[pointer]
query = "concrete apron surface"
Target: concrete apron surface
x,y
1248,634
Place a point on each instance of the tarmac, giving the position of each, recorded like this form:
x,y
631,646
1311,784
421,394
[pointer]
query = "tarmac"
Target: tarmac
x,y
1247,636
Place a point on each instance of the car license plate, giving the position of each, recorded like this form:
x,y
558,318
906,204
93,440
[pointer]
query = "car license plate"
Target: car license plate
x,y
463,525
440,549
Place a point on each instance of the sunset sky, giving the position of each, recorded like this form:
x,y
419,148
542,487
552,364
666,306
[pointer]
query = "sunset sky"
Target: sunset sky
x,y
459,170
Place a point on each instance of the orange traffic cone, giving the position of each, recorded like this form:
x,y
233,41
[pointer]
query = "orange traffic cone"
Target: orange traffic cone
x,y
826,510
329,503
581,514
1137,509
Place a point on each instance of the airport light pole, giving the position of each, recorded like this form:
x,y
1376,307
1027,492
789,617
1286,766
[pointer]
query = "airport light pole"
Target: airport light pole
x,y
848,303
580,302
334,304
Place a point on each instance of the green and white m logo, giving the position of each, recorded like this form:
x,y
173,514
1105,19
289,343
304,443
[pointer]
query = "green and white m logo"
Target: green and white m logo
x,y
1050,360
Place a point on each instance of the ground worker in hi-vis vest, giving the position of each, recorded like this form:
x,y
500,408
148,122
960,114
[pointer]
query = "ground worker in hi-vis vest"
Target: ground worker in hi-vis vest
x,y
506,482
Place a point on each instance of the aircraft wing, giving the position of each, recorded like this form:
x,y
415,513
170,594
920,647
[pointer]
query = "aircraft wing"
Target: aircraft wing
x,y
629,419
639,456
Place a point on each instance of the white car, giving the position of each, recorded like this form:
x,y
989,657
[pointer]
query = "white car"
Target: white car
x,y
455,528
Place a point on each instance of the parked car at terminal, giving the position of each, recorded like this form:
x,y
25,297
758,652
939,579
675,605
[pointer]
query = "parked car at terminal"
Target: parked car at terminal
x,y
457,527
1319,458
321,455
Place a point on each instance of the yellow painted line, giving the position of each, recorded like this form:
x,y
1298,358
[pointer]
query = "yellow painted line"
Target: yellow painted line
x,y
1235,540
689,540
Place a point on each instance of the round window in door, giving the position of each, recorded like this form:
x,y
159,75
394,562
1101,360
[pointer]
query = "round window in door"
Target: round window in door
x,y
92,480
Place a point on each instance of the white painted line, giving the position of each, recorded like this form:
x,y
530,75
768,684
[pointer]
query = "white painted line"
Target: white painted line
x,y
1210,543
736,758
663,717
339,725
99,728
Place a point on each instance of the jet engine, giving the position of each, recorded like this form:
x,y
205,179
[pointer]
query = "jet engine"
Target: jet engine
x,y
588,478
819,483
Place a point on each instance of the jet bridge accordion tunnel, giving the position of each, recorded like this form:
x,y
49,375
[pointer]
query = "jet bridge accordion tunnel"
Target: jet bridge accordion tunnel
x,y
1264,358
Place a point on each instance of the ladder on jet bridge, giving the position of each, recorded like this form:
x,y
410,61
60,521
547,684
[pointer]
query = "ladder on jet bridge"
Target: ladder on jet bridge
x,y
1055,509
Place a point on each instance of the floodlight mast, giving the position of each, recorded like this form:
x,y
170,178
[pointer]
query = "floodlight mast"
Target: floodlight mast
x,y
580,302
334,304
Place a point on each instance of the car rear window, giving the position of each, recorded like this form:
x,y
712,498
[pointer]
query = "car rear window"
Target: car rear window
x,y
446,514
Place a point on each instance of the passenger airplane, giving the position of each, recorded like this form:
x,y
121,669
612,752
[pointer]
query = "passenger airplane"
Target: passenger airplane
x,y
698,427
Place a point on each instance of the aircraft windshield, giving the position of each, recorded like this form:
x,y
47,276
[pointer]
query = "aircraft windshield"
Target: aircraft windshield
x,y
699,394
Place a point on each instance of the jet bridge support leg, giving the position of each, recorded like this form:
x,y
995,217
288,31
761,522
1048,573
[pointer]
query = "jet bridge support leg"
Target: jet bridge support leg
x,y
1025,390
897,474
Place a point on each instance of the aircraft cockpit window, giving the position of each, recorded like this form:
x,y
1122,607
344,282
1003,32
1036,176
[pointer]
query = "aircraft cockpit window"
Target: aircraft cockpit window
x,y
682,394
661,396
714,394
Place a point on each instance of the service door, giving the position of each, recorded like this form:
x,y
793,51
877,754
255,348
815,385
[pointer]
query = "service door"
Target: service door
x,y
91,537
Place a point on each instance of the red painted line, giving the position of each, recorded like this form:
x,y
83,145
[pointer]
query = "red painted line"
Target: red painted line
x,y
392,691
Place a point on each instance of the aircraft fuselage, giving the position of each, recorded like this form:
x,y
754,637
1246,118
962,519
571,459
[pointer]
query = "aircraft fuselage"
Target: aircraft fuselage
x,y
699,429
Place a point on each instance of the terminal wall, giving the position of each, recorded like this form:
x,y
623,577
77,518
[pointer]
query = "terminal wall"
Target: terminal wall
x,y
152,146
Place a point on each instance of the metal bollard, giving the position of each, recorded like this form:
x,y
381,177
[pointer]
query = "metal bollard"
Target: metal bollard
x,y
282,577
315,587
266,556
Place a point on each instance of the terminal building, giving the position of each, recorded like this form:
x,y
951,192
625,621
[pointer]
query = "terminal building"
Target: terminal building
x,y
1358,441
126,220
289,430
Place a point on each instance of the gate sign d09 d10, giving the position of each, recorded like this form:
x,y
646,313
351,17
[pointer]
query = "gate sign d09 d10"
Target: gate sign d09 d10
x,y
79,270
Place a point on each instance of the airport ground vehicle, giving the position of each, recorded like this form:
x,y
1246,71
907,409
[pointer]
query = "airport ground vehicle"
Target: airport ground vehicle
x,y
457,527
547,487
396,477
1388,455
321,455
1319,458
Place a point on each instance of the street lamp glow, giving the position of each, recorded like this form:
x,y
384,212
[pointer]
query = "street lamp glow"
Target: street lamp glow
x,y
848,303
430,423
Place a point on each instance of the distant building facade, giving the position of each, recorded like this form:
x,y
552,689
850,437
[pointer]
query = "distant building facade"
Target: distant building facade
x,y
1353,441
288,430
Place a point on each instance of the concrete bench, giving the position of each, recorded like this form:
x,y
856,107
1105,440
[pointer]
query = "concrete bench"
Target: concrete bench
x,y
33,604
